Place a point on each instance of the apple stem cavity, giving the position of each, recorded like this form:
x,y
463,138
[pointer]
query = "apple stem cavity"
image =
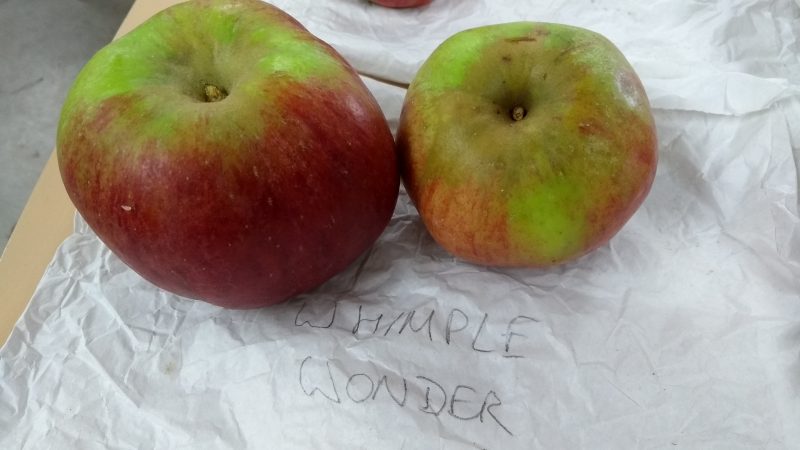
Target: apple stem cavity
x,y
214,93
518,113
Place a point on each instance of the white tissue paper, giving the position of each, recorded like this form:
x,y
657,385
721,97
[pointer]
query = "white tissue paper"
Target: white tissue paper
x,y
682,332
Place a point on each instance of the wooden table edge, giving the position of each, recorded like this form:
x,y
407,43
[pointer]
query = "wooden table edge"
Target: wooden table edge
x,y
47,218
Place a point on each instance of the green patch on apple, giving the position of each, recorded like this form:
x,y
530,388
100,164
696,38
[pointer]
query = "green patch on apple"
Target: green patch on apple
x,y
172,61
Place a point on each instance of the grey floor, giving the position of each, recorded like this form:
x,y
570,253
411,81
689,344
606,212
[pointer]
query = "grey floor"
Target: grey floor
x,y
43,45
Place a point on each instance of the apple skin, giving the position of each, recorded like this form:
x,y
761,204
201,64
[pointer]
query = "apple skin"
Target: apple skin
x,y
243,202
401,3
534,192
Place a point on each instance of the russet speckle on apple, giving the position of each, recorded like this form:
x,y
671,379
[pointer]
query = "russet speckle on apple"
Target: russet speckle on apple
x,y
526,144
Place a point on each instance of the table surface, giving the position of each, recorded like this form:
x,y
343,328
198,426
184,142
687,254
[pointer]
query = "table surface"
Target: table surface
x,y
47,218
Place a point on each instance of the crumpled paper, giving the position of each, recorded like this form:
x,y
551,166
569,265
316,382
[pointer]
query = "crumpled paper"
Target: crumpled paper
x,y
682,332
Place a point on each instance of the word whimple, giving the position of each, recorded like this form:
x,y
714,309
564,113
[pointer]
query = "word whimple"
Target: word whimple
x,y
457,324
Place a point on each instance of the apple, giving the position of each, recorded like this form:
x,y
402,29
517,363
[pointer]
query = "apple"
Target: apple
x,y
401,3
226,154
526,144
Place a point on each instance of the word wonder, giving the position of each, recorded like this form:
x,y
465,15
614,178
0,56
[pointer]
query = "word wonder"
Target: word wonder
x,y
420,393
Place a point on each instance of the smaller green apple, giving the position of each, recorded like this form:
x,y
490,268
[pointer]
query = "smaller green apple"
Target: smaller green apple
x,y
526,144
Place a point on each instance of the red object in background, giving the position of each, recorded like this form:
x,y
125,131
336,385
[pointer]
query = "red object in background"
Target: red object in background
x,y
401,3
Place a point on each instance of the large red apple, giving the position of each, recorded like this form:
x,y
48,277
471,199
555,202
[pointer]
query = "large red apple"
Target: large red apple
x,y
526,144
226,154
401,3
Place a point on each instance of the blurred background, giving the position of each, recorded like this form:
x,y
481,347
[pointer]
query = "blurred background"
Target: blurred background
x,y
43,45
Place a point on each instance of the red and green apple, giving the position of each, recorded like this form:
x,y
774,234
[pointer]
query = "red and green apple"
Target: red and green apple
x,y
226,154
526,144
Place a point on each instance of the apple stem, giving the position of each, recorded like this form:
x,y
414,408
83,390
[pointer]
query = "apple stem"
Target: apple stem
x,y
213,93
518,113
